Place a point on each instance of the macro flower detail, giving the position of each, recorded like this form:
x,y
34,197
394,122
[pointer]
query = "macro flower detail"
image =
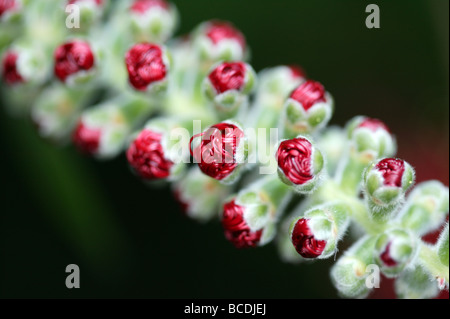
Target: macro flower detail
x,y
146,66
146,156
228,76
308,94
235,227
386,183
228,87
308,108
304,242
299,164
373,125
96,2
392,170
219,152
73,60
220,41
86,139
394,251
10,73
152,20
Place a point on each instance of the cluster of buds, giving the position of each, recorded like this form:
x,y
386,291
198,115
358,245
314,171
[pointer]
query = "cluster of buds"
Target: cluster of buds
x,y
120,84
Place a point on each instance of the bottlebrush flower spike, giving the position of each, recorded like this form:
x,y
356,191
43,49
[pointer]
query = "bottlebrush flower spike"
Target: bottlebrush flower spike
x,y
426,208
386,182
249,218
148,67
395,250
299,164
308,109
228,86
199,195
153,20
316,234
150,152
371,138
220,41
221,151
74,62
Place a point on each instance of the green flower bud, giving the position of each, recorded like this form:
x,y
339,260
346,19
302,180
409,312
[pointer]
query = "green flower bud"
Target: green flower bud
x,y
395,250
199,195
426,208
416,283
350,273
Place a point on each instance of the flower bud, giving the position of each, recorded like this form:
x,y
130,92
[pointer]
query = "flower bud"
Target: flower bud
x,y
371,139
350,273
299,164
416,283
222,151
74,63
102,130
286,250
249,218
395,250
56,111
386,183
199,195
10,10
148,67
308,109
426,208
153,20
90,12
151,155
228,86
316,234
220,41
274,86
25,63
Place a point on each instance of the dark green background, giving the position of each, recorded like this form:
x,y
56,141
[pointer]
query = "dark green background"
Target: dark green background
x,y
58,207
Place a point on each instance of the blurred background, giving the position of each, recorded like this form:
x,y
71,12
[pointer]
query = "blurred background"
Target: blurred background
x,y
130,241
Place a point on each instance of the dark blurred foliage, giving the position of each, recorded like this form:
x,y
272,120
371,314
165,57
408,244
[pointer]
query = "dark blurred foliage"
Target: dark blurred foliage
x,y
58,207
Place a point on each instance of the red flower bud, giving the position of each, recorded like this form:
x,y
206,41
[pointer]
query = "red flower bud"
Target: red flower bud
x,y
304,242
218,31
295,160
386,257
373,125
216,155
392,170
86,139
145,65
71,58
142,6
228,76
146,156
6,5
236,229
10,74
308,94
